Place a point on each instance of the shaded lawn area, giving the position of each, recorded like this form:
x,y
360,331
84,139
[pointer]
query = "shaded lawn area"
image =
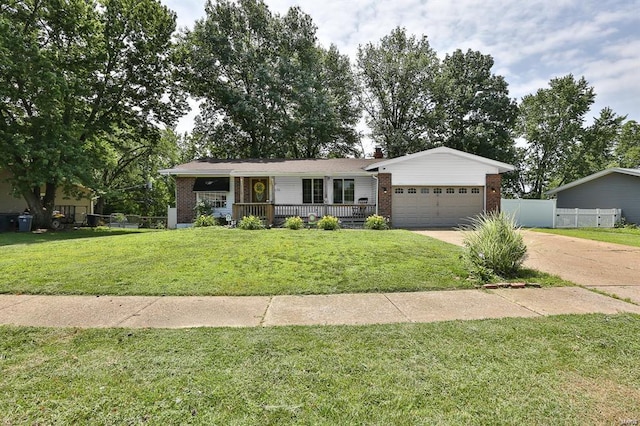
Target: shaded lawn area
x,y
13,238
219,261
625,236
552,370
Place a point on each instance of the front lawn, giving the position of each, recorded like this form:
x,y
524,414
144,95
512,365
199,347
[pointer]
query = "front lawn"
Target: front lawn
x,y
219,261
625,236
571,370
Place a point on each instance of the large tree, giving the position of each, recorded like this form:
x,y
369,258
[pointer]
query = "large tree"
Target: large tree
x,y
474,111
70,72
594,151
551,121
268,89
627,148
397,79
125,180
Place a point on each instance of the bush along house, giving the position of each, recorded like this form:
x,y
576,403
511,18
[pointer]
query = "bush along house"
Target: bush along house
x,y
440,187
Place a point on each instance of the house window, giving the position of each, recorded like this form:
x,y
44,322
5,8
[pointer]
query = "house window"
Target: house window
x,y
437,190
312,191
411,191
399,191
344,191
475,190
424,190
451,191
462,190
218,200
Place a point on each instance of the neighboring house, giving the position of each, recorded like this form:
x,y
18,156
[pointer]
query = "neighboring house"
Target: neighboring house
x,y
614,188
75,209
437,187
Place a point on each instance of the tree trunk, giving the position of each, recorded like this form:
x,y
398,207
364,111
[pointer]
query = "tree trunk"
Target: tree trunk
x,y
41,208
34,204
99,207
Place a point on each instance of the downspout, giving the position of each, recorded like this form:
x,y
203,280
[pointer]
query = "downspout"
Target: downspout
x,y
377,190
175,191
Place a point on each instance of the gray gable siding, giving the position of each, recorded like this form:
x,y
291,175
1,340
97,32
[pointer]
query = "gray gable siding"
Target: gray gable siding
x,y
615,190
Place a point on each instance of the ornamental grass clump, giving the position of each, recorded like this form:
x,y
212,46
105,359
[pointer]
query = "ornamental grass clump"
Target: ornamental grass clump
x,y
250,223
204,220
493,246
377,222
293,222
329,223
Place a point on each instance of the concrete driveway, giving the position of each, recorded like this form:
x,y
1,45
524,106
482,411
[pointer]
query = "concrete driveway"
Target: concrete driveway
x,y
612,268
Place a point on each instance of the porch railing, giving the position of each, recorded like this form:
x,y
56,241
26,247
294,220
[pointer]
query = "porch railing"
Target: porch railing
x,y
276,213
261,210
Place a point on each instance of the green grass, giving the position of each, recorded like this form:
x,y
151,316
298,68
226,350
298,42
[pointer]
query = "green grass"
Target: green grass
x,y
625,236
15,238
218,261
570,370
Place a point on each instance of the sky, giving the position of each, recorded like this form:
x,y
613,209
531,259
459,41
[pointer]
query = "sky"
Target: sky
x,y
531,41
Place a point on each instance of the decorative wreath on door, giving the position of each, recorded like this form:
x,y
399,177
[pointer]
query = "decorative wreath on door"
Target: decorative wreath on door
x,y
259,187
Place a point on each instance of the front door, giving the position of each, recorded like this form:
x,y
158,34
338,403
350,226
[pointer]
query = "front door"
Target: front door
x,y
259,190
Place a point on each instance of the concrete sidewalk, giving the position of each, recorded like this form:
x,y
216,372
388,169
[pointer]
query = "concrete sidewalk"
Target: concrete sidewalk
x,y
340,309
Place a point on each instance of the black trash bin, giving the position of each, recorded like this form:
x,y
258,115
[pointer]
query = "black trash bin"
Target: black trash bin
x,y
8,222
92,220
24,223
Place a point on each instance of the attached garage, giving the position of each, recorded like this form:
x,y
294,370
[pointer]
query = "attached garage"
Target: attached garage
x,y
426,206
440,187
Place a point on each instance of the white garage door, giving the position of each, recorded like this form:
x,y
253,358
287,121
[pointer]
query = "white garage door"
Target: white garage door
x,y
426,206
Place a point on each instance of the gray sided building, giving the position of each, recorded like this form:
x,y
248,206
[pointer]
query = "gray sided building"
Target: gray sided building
x,y
612,188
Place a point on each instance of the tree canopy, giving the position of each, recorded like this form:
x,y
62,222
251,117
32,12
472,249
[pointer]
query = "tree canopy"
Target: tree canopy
x,y
71,72
268,89
626,149
474,111
552,121
414,102
397,79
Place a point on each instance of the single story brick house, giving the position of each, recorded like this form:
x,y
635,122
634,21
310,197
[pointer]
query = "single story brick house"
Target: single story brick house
x,y
440,187
615,188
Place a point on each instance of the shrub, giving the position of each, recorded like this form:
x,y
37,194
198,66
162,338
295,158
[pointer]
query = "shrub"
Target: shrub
x,y
250,223
376,222
204,208
294,222
493,246
205,220
118,218
623,223
329,223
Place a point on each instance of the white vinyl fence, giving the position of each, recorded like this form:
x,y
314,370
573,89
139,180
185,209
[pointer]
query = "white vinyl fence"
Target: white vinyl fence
x,y
544,214
587,218
531,213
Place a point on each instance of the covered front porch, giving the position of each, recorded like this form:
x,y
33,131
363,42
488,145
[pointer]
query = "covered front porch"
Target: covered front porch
x,y
274,199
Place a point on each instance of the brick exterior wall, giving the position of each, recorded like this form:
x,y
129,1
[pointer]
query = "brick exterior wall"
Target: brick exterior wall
x,y
384,200
236,190
247,189
186,199
494,182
